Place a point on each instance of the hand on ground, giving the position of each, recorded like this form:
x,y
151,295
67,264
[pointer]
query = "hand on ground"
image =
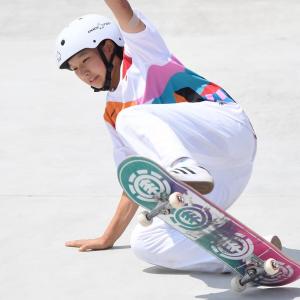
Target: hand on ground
x,y
89,245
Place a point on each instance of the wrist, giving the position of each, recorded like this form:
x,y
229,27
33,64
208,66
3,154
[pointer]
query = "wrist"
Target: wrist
x,y
107,239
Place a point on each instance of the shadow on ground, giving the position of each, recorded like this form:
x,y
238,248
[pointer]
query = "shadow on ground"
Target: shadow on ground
x,y
121,247
279,293
222,281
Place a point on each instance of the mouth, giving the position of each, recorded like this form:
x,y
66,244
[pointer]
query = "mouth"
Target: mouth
x,y
93,80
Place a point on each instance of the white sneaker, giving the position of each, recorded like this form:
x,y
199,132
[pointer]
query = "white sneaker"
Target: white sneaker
x,y
195,176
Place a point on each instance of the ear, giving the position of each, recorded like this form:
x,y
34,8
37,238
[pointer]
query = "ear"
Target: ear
x,y
108,48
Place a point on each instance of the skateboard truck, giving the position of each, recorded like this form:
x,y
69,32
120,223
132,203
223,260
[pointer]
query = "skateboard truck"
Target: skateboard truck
x,y
269,267
166,203
145,218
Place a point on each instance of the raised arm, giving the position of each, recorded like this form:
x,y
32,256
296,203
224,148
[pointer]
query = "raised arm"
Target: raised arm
x,y
123,12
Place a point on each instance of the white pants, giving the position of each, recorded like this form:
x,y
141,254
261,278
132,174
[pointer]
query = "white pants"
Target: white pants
x,y
219,137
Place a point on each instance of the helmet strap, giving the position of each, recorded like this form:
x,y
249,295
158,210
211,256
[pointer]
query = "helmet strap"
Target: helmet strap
x,y
109,67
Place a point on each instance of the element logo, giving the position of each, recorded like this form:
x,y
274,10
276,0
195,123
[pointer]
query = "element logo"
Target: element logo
x,y
148,184
234,248
193,218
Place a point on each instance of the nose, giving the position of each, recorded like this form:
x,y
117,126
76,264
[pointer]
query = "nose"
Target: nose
x,y
84,72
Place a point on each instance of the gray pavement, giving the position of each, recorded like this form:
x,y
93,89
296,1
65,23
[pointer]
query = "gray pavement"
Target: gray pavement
x,y
57,177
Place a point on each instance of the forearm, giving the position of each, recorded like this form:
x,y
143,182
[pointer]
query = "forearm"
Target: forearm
x,y
122,217
124,14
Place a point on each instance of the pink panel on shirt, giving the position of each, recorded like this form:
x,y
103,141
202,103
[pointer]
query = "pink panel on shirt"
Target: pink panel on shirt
x,y
209,97
221,94
158,77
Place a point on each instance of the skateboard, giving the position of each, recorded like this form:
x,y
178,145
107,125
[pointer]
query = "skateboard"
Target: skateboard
x,y
254,260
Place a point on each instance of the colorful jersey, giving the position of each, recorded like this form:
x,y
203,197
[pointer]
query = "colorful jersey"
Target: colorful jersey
x,y
152,75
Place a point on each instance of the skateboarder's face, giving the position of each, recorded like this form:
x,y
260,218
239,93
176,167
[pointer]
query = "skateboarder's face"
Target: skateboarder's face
x,y
89,67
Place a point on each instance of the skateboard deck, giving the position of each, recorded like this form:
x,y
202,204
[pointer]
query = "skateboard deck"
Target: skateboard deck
x,y
200,220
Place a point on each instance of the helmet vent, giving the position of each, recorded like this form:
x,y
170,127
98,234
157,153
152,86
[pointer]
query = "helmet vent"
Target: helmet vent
x,y
62,42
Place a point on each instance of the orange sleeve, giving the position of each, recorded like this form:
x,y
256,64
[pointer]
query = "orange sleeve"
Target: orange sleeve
x,y
112,110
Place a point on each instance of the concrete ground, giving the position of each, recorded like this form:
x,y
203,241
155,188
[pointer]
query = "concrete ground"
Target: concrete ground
x,y
57,178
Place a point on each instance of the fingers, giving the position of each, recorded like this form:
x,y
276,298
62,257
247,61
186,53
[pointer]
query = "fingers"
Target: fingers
x,y
92,245
77,243
87,245
83,245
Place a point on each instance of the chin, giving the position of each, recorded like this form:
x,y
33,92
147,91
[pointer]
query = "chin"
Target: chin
x,y
97,85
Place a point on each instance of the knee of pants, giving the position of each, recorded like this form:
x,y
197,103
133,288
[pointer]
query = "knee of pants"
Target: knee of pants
x,y
152,246
128,119
177,257
140,250
137,120
137,248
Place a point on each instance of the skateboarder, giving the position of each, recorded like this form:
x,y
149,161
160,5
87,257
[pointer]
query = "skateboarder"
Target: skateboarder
x,y
158,108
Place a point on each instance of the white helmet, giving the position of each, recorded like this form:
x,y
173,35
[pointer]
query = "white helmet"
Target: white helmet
x,y
85,32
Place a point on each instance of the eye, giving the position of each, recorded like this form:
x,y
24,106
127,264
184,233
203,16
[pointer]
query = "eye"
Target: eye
x,y
87,58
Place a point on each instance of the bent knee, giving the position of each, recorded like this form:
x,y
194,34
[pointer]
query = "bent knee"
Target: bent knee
x,y
128,117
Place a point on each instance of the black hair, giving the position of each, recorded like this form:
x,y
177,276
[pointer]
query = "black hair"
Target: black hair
x,y
118,49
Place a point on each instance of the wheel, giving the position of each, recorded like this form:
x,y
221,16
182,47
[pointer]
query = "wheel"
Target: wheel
x,y
143,219
271,266
176,200
236,285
